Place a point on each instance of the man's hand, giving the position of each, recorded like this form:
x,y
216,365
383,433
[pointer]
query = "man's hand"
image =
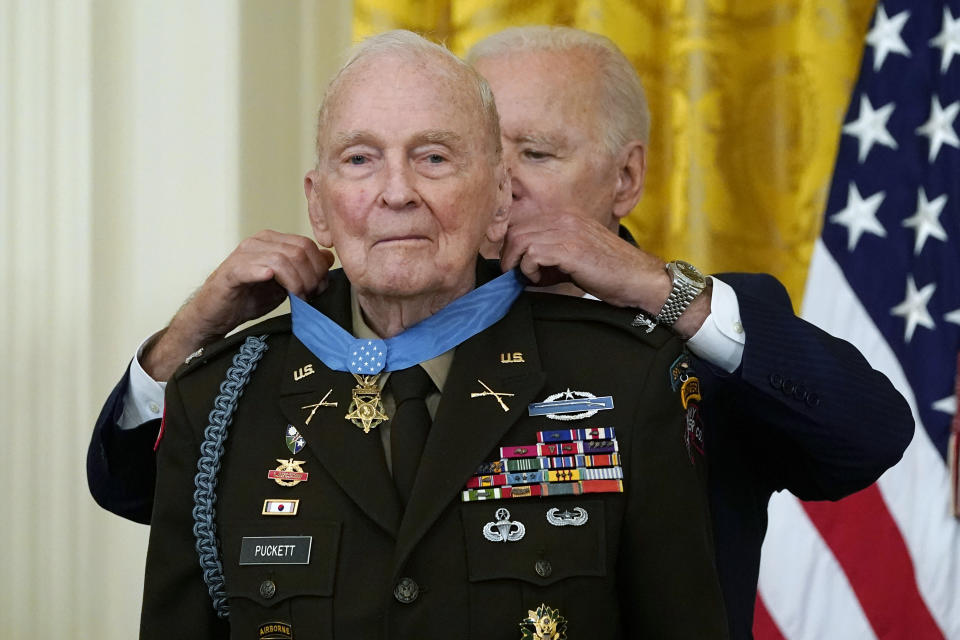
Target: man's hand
x,y
568,248
253,280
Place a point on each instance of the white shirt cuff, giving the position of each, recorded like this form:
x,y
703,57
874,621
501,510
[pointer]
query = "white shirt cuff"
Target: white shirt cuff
x,y
721,338
144,398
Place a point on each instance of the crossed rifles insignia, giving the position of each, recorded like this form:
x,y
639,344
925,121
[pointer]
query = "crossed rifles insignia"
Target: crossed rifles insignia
x,y
490,392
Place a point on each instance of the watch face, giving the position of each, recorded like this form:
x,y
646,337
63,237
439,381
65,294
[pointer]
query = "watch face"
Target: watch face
x,y
691,272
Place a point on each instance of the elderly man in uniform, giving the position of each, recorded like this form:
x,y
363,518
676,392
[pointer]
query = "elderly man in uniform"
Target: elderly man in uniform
x,y
454,460
575,128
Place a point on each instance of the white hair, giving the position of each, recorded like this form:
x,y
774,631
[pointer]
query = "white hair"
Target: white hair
x,y
417,49
623,104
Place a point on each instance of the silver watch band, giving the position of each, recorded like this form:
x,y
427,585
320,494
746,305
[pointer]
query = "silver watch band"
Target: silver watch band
x,y
685,289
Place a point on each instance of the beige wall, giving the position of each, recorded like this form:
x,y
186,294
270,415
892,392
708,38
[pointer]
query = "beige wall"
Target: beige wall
x,y
139,141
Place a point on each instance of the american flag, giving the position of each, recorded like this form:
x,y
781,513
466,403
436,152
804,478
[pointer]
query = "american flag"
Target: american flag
x,y
885,563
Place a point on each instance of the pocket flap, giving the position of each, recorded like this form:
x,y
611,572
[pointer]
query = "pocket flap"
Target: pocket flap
x,y
547,552
268,562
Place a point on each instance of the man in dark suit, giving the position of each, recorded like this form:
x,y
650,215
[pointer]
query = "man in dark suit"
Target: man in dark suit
x,y
558,487
778,414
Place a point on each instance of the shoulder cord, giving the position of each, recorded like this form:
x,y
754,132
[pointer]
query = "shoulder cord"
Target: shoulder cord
x,y
208,466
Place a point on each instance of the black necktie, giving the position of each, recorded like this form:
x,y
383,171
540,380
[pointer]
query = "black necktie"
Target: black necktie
x,y
409,426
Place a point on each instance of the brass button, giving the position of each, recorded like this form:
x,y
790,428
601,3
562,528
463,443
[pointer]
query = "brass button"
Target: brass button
x,y
267,589
406,591
543,568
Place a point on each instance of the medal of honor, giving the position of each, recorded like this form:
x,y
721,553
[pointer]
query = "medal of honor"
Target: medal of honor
x,y
366,409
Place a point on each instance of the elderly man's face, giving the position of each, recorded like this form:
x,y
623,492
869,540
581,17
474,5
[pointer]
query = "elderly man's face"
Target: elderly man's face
x,y
407,185
552,127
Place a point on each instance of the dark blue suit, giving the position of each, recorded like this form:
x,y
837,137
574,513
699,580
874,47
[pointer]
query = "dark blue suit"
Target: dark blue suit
x,y
805,412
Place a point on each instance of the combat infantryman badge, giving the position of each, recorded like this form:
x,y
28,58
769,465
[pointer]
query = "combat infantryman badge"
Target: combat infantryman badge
x,y
289,473
366,409
503,530
490,392
570,405
544,624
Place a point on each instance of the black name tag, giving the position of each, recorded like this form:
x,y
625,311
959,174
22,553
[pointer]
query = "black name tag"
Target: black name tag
x,y
276,550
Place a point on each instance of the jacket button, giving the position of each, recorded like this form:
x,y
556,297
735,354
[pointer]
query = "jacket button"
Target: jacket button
x,y
267,589
800,393
406,591
776,380
813,400
543,568
789,386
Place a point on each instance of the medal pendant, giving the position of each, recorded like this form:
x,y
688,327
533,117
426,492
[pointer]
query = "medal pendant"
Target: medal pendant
x,y
366,409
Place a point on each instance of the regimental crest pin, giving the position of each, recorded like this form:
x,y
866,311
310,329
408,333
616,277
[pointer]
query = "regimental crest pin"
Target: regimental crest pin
x,y
295,441
503,530
570,405
289,474
544,623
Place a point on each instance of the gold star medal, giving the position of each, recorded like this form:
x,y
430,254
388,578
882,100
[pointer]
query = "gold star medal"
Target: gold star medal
x,y
366,409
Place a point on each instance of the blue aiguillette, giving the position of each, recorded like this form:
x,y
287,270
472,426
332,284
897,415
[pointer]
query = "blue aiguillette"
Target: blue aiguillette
x,y
461,319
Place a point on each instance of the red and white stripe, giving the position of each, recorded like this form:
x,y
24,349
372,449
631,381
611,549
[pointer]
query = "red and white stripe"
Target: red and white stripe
x,y
883,563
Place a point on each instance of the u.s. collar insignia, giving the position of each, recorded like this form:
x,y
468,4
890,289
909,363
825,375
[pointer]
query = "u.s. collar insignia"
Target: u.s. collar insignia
x,y
544,624
575,518
503,530
570,405
295,441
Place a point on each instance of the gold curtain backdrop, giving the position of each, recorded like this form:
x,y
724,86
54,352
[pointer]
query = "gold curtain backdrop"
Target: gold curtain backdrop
x,y
747,100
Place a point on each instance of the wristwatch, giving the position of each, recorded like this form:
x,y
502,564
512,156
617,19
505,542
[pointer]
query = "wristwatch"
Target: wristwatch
x,y
688,282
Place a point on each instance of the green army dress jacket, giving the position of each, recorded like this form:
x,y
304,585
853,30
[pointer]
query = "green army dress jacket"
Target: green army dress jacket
x,y
639,564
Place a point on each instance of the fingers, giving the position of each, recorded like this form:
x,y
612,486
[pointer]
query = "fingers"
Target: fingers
x,y
295,262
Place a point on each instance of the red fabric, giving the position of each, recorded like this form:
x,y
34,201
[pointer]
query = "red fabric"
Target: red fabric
x,y
954,450
868,545
764,628
163,425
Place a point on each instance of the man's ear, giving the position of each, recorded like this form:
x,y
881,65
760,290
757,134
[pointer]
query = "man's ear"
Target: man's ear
x,y
497,228
318,221
631,172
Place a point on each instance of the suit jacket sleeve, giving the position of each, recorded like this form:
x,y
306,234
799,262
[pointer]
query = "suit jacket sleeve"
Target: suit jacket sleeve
x,y
121,465
176,602
820,421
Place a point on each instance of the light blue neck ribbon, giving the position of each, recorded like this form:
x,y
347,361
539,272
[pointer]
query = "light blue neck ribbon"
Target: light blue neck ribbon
x,y
461,319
